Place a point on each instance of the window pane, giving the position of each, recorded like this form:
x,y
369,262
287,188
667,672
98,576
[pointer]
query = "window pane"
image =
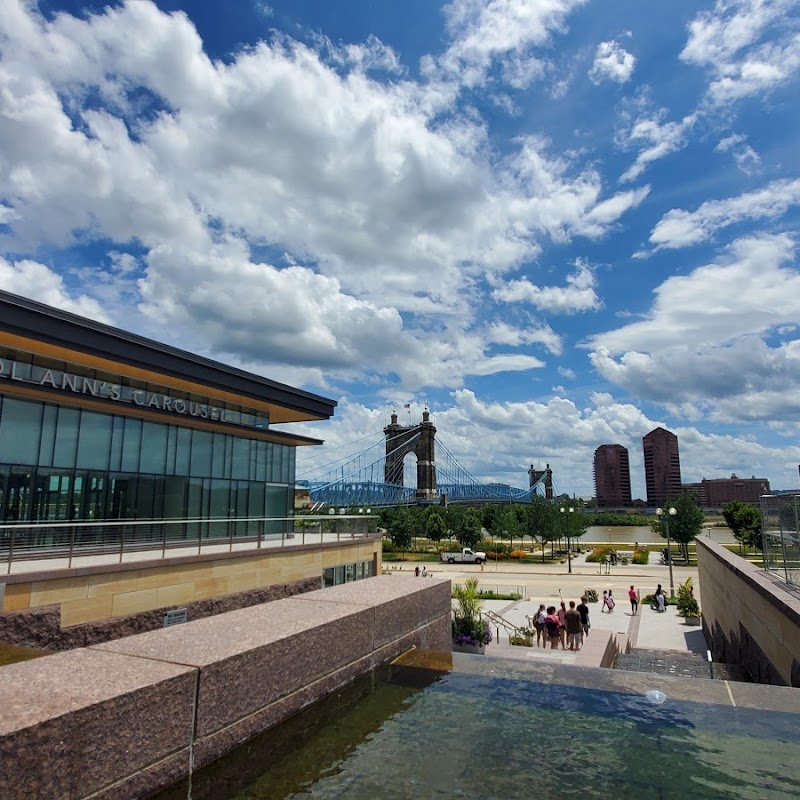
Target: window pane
x,y
20,426
131,445
66,446
94,442
218,458
117,433
183,452
175,490
241,459
48,440
201,454
154,448
261,461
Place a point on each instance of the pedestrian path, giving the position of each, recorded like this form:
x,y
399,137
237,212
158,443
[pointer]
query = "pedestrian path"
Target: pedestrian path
x,y
657,637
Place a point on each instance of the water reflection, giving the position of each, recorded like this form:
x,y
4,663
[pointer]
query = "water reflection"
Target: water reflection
x,y
622,534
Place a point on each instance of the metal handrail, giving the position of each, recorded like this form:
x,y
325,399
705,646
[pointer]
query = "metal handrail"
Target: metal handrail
x,y
509,627
68,540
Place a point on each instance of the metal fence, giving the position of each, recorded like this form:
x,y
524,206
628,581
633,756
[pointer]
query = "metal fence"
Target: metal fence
x,y
780,525
29,546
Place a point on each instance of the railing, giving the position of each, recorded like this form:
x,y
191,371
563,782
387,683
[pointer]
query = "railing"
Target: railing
x,y
780,525
508,627
51,545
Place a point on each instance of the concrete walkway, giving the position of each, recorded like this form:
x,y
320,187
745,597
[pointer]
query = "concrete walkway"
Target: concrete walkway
x,y
648,630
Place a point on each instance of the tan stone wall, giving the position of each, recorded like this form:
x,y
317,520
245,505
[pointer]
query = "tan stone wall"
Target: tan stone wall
x,y
748,617
88,595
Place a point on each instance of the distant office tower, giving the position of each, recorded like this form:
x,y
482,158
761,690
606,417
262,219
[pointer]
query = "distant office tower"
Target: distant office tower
x,y
612,476
662,466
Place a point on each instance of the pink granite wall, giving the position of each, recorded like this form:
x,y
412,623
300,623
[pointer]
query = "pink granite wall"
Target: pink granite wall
x,y
123,717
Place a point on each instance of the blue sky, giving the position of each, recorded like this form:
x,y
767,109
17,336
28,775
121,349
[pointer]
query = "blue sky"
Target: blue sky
x,y
555,223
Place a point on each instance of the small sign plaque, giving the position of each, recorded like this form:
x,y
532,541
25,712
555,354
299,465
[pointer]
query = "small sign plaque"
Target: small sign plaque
x,y
176,616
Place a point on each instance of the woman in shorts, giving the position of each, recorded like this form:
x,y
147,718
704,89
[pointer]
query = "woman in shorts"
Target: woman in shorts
x,y
553,628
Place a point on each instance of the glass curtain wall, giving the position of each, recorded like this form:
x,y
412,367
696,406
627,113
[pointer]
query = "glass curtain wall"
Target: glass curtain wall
x,y
61,464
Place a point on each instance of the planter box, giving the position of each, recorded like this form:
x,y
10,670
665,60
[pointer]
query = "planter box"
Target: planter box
x,y
692,620
475,649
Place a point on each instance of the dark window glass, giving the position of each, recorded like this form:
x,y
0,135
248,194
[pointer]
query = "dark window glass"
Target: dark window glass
x,y
131,445
183,452
94,442
66,446
219,507
219,457
175,497
201,454
261,461
48,440
154,448
121,497
172,444
117,433
20,429
241,459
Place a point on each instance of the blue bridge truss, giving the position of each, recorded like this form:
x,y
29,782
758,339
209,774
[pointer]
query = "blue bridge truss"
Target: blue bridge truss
x,y
358,480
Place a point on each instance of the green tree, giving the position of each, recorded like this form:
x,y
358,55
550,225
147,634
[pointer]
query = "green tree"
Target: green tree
x,y
744,520
540,521
507,525
401,527
469,532
685,525
435,529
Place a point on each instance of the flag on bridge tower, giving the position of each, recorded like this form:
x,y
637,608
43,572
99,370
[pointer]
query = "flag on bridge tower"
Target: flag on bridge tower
x,y
408,406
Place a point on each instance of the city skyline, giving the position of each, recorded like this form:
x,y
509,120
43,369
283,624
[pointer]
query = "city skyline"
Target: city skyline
x,y
551,223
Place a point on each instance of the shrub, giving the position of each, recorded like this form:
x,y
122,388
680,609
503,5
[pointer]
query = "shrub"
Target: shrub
x,y
687,602
641,556
590,595
518,554
599,554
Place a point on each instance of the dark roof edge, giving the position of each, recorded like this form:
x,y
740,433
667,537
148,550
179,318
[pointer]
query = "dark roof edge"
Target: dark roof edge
x,y
45,323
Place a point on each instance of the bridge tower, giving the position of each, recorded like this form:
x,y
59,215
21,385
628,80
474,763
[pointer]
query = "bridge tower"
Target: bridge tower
x,y
399,444
537,475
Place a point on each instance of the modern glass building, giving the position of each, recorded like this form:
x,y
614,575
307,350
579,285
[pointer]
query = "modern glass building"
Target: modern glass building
x,y
100,424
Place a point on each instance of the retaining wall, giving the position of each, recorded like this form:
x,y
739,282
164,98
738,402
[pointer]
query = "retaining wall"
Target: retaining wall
x,y
64,609
122,719
749,618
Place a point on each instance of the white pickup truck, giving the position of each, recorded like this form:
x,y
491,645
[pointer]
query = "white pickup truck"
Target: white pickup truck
x,y
464,556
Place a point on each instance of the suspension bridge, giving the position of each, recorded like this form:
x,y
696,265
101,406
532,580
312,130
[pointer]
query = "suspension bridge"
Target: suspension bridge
x,y
375,475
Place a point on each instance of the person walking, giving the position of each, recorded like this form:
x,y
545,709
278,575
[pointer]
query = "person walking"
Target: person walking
x,y
573,625
540,627
562,621
583,610
610,602
605,601
633,595
552,625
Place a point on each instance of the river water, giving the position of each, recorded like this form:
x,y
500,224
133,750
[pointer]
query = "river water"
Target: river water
x,y
630,534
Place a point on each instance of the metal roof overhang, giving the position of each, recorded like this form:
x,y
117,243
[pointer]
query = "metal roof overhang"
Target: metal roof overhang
x,y
37,328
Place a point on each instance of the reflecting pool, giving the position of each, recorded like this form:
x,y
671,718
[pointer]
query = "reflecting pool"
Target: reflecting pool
x,y
406,732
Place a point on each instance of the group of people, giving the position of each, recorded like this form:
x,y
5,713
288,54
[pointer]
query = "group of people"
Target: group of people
x,y
610,602
424,573
562,626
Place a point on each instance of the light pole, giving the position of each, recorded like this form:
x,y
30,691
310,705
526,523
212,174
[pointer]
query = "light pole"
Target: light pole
x,y
670,512
569,549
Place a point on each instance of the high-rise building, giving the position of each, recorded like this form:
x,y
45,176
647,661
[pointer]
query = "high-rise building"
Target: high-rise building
x,y
612,476
662,466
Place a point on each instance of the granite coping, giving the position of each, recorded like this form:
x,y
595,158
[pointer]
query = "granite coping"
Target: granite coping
x,y
209,641
45,688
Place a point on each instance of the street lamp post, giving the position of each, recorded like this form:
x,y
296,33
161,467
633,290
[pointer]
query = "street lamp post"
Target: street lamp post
x,y
569,549
667,513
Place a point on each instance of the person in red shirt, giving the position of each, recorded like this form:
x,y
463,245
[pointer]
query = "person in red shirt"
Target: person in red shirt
x,y
634,598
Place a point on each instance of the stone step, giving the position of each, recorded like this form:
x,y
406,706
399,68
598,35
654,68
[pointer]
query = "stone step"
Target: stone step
x,y
688,665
